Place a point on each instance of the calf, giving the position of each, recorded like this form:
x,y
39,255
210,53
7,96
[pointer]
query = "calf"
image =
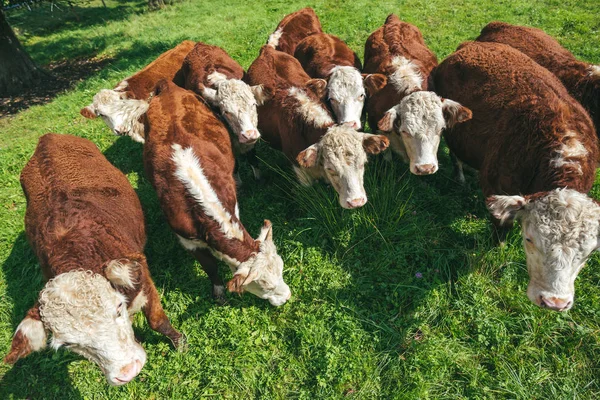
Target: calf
x,y
327,57
400,63
188,159
293,28
86,226
123,107
536,151
296,121
581,79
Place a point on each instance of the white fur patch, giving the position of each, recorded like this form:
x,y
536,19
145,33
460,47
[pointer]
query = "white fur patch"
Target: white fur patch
x,y
118,273
312,112
594,70
215,77
570,153
191,174
192,245
124,84
138,303
274,38
34,331
406,77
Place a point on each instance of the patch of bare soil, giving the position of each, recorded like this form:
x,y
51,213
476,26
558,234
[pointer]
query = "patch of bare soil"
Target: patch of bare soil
x,y
64,75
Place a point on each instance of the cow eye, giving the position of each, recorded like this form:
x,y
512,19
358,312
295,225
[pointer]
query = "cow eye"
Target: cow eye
x,y
361,97
67,345
119,309
529,240
331,171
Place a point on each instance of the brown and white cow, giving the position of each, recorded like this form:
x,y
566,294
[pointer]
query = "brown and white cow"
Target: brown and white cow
x,y
189,160
293,28
86,226
296,121
328,57
581,79
536,151
209,71
123,107
398,101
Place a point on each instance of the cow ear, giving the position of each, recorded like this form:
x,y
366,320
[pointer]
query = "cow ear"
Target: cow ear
x,y
317,86
30,336
261,94
505,208
209,95
375,144
308,157
241,279
266,233
88,112
124,272
374,83
455,113
386,123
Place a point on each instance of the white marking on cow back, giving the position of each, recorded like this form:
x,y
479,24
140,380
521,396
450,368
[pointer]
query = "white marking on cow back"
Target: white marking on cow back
x,y
311,111
570,153
406,76
191,174
34,331
274,38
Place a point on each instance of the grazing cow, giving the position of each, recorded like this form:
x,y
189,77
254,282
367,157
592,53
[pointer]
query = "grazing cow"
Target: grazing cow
x,y
581,79
400,63
296,121
188,159
86,226
536,151
123,107
293,28
327,57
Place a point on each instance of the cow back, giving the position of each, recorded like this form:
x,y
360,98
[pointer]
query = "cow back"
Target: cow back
x,y
320,52
205,59
295,27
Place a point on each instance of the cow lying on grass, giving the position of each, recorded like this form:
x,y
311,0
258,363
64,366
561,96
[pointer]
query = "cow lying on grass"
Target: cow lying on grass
x,y
188,159
536,151
400,63
123,107
581,79
86,226
296,121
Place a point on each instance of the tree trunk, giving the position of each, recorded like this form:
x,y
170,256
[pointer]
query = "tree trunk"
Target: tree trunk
x,y
17,70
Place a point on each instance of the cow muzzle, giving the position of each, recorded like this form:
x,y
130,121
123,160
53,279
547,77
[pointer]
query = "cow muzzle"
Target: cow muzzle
x,y
249,136
556,303
424,169
127,373
352,124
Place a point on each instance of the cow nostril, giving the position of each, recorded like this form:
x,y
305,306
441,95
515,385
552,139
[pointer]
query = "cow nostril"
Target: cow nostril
x,y
356,202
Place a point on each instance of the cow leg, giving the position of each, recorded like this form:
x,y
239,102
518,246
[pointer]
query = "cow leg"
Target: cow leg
x,y
209,265
459,174
156,317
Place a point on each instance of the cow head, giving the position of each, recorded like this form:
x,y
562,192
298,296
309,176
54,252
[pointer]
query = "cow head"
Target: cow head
x,y
346,95
121,114
86,315
262,274
237,103
340,157
419,120
560,230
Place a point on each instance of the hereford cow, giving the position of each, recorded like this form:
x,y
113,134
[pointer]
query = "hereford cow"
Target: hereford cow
x,y
188,159
123,107
296,121
581,79
293,28
86,226
536,151
327,57
400,63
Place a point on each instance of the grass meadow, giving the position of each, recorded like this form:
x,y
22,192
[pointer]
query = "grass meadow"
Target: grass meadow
x,y
407,297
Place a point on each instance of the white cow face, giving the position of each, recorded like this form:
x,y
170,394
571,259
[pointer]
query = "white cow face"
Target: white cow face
x,y
262,275
118,112
346,95
419,120
85,314
560,231
340,157
237,103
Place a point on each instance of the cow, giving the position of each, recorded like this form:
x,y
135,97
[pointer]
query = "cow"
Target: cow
x,y
189,161
296,121
581,79
123,107
536,151
293,28
399,63
328,57
86,227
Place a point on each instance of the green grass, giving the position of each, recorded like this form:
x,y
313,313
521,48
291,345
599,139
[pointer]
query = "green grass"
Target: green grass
x,y
360,323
